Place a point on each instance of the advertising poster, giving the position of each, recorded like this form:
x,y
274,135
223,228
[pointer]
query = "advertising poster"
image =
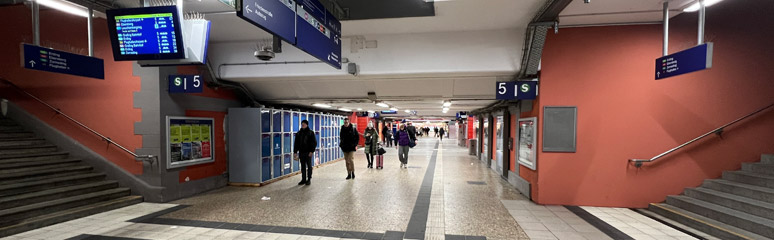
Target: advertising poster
x,y
527,140
190,141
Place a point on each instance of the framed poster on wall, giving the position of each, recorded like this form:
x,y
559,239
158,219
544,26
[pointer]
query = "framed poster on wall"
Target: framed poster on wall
x,y
527,153
190,141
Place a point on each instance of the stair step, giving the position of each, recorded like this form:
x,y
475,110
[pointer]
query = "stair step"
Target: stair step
x,y
16,135
11,128
749,222
756,179
67,215
55,193
40,174
767,158
37,163
7,122
21,141
741,189
37,168
15,215
26,187
702,223
743,204
12,158
762,168
27,149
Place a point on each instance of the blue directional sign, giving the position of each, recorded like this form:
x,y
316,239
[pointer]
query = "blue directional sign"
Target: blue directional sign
x,y
185,84
318,32
687,61
49,60
522,90
277,17
389,112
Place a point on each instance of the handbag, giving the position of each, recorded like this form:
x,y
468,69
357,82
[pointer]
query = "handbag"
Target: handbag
x,y
380,151
412,143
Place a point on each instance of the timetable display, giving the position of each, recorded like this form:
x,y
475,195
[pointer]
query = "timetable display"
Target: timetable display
x,y
150,33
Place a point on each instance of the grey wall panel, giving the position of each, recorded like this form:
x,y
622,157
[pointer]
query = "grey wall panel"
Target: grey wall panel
x,y
244,136
559,129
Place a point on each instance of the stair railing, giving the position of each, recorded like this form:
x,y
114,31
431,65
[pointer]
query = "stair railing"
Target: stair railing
x,y
149,158
718,131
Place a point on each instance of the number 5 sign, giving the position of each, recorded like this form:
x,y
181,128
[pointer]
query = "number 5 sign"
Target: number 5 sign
x,y
522,90
185,84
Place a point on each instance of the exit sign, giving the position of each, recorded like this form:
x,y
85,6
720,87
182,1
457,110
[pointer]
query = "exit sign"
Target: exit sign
x,y
185,84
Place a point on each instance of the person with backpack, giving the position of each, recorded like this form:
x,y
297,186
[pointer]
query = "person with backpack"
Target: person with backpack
x,y
371,142
348,143
387,136
304,147
404,144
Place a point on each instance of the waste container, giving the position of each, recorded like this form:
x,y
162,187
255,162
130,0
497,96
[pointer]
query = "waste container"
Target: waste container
x,y
472,146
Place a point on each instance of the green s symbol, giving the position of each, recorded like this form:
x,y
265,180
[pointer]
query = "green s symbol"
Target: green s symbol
x,y
177,81
525,87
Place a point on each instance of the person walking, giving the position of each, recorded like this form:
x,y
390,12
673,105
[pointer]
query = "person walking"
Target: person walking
x,y
303,148
412,131
371,142
442,132
435,129
404,139
387,133
348,143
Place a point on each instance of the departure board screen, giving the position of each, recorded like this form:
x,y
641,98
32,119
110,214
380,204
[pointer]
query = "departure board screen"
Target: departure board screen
x,y
149,33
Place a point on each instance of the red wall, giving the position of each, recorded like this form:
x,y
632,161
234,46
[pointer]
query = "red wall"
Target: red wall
x,y
623,113
524,172
221,159
104,105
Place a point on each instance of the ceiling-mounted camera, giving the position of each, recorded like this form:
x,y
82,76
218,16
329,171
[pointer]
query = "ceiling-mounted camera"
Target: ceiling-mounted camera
x,y
264,54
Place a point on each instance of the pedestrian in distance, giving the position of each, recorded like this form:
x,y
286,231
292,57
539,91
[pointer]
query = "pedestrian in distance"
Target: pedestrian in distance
x,y
348,143
441,132
412,131
385,134
304,146
435,129
371,142
404,139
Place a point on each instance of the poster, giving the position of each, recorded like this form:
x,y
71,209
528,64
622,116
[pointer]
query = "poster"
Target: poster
x,y
190,141
527,142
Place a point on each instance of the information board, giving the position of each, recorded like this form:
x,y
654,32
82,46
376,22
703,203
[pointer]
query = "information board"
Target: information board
x,y
185,84
149,33
190,141
318,32
522,90
49,60
690,60
275,16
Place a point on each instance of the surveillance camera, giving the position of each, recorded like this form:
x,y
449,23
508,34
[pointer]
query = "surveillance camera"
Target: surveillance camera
x,y
586,1
264,55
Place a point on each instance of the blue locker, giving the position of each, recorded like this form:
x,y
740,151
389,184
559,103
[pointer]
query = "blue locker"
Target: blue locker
x,y
277,166
265,121
265,145
317,122
277,144
288,143
285,122
303,117
296,164
296,123
265,169
276,117
286,164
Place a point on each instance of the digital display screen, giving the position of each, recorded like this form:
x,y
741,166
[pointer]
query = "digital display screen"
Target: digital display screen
x,y
150,33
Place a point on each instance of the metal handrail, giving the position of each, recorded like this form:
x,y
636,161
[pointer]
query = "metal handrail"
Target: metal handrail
x,y
151,158
719,131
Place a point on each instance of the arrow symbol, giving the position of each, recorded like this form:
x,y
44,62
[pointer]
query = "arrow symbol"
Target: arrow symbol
x,y
32,63
247,8
658,74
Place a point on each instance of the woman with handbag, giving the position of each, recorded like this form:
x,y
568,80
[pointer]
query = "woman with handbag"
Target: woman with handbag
x,y
404,144
371,141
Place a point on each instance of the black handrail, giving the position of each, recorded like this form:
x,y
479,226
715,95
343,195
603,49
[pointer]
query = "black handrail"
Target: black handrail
x,y
150,158
638,162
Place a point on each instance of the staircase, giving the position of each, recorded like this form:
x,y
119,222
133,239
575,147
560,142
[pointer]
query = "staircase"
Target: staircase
x,y
40,186
740,205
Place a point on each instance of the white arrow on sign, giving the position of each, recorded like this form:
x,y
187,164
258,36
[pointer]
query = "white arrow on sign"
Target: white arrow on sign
x,y
32,63
658,74
247,8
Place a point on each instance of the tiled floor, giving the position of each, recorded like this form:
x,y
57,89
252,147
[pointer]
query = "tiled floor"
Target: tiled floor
x,y
453,197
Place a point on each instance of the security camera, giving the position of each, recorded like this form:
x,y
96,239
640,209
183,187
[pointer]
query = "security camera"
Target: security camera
x,y
586,1
264,55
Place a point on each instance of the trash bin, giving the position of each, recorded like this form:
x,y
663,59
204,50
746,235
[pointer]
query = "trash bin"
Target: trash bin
x,y
472,146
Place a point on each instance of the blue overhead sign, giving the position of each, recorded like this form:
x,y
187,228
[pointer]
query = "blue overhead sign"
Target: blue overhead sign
x,y
277,17
185,84
521,90
318,32
49,60
389,112
693,59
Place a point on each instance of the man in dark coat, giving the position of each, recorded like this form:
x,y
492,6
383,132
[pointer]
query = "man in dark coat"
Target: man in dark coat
x,y
304,147
348,144
412,131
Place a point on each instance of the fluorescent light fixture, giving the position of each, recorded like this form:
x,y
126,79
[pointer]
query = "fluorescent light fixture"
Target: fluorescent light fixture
x,y
445,109
66,6
407,111
345,109
371,111
696,6
381,104
359,109
322,105
447,103
394,109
